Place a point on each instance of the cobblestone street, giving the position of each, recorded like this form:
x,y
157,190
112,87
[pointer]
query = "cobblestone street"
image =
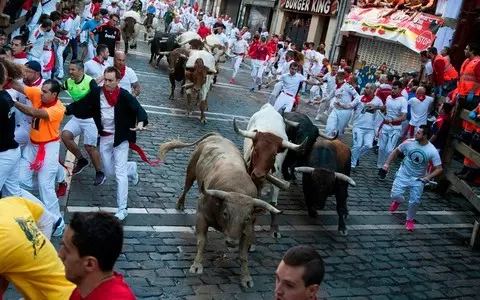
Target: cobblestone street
x,y
378,259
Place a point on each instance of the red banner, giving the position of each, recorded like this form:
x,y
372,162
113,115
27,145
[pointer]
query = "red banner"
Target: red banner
x,y
415,30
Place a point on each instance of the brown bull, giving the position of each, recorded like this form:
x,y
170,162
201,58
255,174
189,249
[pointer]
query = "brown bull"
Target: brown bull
x,y
227,202
130,30
176,69
197,89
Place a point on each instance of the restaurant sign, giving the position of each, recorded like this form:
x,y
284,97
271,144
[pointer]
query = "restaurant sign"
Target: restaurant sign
x,y
316,7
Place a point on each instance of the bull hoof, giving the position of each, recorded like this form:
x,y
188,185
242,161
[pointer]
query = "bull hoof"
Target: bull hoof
x,y
252,248
343,232
247,282
196,268
204,121
276,235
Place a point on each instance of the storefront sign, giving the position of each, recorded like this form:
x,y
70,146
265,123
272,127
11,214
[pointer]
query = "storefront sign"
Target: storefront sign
x,y
316,7
414,30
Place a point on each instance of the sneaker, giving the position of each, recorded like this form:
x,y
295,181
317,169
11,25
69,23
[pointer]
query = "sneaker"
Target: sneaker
x,y
62,189
121,214
59,227
60,75
136,179
382,174
81,164
394,206
259,87
232,80
252,90
410,225
99,178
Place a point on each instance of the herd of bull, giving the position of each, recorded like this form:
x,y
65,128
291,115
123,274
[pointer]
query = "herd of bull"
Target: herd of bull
x,y
273,144
191,60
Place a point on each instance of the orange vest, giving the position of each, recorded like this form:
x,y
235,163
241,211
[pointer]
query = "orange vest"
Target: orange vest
x,y
469,127
450,72
467,77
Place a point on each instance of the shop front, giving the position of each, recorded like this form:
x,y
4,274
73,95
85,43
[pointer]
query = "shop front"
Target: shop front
x,y
255,14
304,20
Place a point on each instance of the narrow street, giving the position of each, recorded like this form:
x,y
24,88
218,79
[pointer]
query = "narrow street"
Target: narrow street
x,y
378,259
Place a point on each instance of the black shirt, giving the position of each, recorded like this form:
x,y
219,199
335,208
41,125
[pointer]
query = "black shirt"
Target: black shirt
x,y
218,24
108,36
7,122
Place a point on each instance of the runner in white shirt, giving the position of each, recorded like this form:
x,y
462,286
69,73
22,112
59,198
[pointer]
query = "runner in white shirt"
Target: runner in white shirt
x,y
45,7
290,84
396,112
339,117
420,106
284,69
67,26
222,38
364,122
412,175
96,66
238,50
129,79
176,26
228,26
38,40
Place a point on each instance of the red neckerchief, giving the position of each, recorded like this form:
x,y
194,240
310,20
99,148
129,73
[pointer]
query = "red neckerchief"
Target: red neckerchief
x,y
421,98
20,55
122,71
399,96
8,84
112,97
339,85
35,83
65,18
98,61
47,105
366,98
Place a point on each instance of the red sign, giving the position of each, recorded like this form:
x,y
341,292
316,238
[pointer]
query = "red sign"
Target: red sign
x,y
316,7
415,30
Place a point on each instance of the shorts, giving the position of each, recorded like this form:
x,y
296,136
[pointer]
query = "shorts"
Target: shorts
x,y
87,126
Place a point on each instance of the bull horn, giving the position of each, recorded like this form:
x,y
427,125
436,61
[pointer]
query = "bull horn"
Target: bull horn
x,y
164,53
292,146
183,55
291,123
213,193
282,184
307,170
344,177
187,85
265,206
326,136
244,133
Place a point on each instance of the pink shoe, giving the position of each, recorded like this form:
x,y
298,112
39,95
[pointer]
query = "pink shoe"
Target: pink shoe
x,y
394,206
410,225
232,80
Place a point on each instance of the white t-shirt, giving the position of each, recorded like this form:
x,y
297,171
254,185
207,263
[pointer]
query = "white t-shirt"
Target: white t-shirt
x,y
239,46
94,69
329,81
417,158
291,83
222,38
67,25
365,119
129,79
20,61
428,67
176,27
39,39
395,107
108,115
419,110
344,94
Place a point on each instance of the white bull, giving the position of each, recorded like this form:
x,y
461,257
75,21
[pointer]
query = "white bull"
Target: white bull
x,y
265,147
185,38
130,29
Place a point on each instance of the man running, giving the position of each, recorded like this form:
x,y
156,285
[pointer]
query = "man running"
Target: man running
x,y
78,86
129,80
118,117
29,260
96,66
412,173
238,48
42,151
108,34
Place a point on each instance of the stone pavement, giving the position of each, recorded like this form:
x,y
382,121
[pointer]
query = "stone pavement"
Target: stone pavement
x,y
378,259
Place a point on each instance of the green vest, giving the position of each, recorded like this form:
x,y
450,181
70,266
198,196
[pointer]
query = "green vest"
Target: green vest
x,y
78,90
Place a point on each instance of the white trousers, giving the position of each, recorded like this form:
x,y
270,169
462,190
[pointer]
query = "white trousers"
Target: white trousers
x,y
284,100
337,121
401,184
315,93
91,51
258,67
46,175
59,57
275,92
9,175
362,143
236,62
387,142
87,126
115,162
22,134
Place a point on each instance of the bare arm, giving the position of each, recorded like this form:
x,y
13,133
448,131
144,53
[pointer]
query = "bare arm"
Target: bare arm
x,y
32,112
135,89
392,156
436,171
19,87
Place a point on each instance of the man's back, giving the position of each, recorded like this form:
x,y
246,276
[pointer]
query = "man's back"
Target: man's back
x,y
28,259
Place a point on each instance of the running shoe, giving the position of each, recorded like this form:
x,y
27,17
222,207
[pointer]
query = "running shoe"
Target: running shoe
x,y
136,179
410,225
121,214
394,206
81,164
382,174
62,189
99,178
59,227
232,80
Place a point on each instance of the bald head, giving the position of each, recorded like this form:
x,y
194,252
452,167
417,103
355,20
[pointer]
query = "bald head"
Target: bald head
x,y
421,91
119,59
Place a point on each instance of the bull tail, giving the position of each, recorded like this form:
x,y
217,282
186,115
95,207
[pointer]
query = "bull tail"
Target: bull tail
x,y
177,144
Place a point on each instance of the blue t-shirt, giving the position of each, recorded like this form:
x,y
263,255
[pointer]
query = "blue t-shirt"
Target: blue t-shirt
x,y
89,26
151,10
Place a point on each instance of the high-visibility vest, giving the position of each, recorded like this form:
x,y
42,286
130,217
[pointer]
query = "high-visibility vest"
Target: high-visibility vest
x,y
467,77
450,72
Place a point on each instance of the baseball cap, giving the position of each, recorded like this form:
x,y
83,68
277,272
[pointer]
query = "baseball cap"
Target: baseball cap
x,y
34,66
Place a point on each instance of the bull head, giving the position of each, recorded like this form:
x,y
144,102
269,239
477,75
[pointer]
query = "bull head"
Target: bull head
x,y
266,145
236,213
339,176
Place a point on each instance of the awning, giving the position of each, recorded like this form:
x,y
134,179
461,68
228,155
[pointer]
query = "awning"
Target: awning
x,y
265,3
414,30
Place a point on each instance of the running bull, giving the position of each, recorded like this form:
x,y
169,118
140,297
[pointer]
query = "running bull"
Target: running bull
x,y
130,29
161,45
299,128
227,201
327,173
176,69
265,147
